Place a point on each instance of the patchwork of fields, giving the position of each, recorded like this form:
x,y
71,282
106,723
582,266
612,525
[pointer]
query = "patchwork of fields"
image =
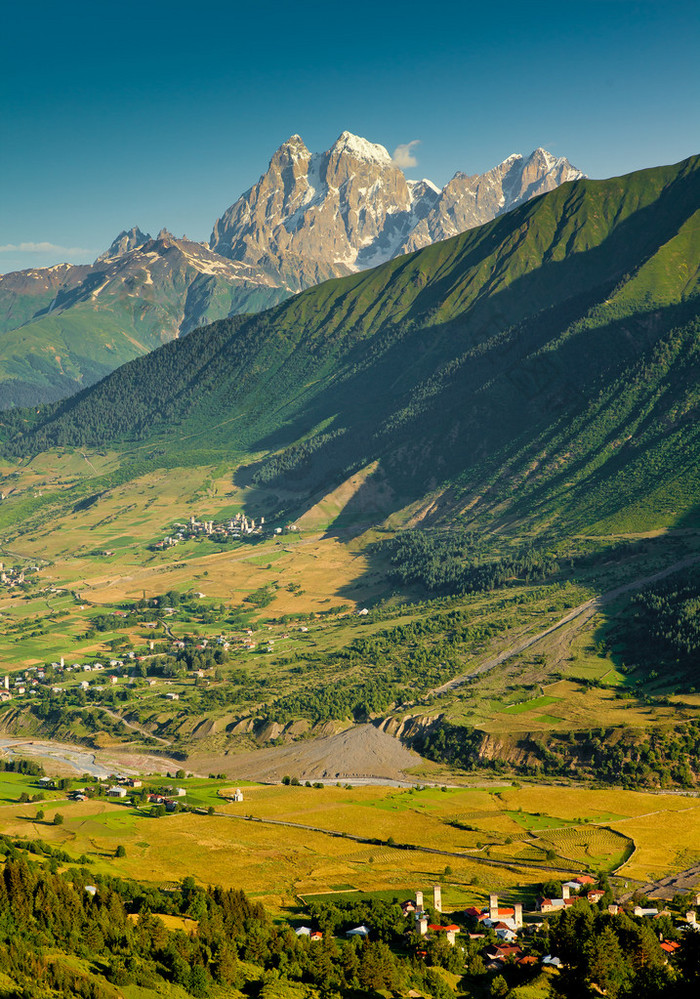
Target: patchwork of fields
x,y
506,839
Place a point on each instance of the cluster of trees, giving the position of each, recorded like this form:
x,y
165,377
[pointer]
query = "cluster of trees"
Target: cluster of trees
x,y
451,561
632,758
662,633
29,767
617,956
42,913
391,666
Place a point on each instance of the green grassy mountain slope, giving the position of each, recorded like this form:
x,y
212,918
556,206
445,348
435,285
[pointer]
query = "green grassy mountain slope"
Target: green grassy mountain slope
x,y
541,365
63,328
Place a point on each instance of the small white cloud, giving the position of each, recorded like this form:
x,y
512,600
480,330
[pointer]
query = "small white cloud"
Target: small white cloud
x,y
69,251
403,156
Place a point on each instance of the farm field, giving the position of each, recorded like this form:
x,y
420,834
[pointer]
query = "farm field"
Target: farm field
x,y
301,661
507,839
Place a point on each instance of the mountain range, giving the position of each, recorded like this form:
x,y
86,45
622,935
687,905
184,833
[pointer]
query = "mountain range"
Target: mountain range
x,y
313,216
310,217
541,367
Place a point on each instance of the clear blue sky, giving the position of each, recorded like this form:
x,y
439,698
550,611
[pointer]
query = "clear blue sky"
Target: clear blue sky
x,y
161,114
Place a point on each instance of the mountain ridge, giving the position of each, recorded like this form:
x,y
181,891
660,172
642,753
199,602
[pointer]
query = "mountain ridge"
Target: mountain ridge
x,y
502,368
62,329
307,202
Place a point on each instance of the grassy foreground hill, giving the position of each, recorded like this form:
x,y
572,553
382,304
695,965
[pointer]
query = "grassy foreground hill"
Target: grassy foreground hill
x,y
542,364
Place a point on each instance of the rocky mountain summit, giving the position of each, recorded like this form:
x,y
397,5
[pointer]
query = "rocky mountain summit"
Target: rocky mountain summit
x,y
312,216
468,201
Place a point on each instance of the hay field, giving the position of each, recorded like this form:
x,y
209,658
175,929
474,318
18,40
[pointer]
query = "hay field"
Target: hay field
x,y
588,829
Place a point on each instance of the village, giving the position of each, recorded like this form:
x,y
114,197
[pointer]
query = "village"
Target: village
x,y
14,576
238,527
509,936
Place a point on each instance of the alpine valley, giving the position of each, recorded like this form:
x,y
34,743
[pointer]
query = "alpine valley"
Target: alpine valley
x,y
309,217
397,580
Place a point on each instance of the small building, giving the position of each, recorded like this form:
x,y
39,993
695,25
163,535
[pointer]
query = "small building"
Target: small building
x,y
505,933
594,896
170,696
237,795
116,792
358,931
450,932
46,782
502,952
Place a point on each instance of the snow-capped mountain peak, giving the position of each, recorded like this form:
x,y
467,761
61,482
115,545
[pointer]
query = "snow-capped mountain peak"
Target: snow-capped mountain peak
x,y
313,216
361,149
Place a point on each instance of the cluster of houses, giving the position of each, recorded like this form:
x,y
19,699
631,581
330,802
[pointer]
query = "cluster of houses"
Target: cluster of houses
x,y
570,893
114,786
34,678
167,799
12,576
236,527
506,924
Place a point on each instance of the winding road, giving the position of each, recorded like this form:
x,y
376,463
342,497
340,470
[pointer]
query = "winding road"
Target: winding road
x,y
584,611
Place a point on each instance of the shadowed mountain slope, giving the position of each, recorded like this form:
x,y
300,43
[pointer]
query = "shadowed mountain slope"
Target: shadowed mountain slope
x,y
544,364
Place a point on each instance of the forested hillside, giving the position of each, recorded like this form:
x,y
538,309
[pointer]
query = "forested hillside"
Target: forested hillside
x,y
541,365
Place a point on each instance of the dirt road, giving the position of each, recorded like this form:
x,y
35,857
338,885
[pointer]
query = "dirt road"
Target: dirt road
x,y
583,613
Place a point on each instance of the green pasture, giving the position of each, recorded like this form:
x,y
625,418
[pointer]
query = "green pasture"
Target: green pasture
x,y
536,702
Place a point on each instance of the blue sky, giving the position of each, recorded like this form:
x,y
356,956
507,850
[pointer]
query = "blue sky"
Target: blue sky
x,y
161,114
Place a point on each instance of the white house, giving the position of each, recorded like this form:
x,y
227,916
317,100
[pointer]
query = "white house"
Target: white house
x,y
359,931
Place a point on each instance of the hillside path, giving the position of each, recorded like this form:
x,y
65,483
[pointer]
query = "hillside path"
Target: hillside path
x,y
136,728
585,611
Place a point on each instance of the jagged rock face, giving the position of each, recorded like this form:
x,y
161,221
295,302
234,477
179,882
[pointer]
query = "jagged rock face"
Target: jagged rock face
x,y
125,241
321,215
468,201
312,216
